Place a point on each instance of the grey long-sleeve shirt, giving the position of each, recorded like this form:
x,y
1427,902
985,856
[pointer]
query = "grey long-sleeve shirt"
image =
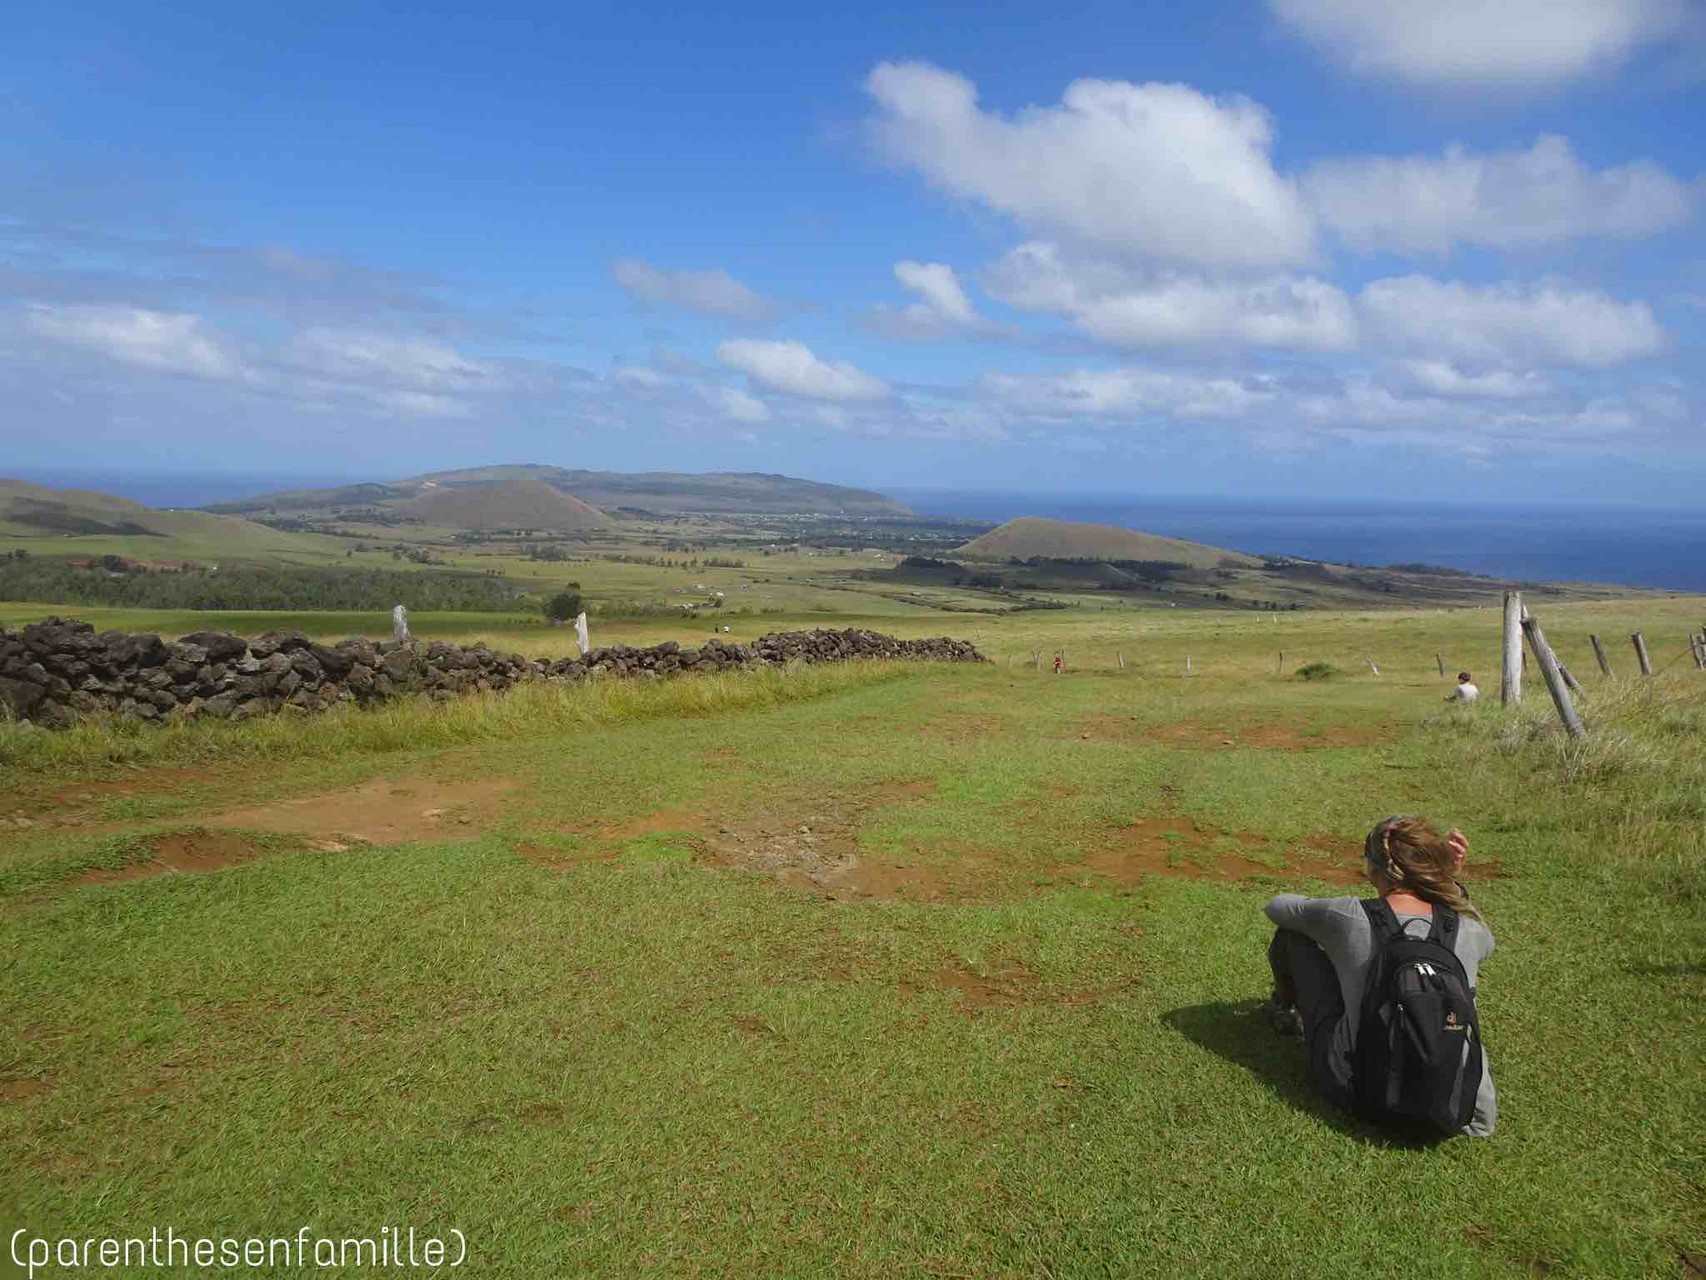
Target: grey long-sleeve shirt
x,y
1340,927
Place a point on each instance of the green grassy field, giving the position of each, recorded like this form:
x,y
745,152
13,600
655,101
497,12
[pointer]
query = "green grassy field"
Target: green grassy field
x,y
863,971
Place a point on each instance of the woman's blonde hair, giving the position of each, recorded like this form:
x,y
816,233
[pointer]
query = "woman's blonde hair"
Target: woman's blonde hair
x,y
1411,854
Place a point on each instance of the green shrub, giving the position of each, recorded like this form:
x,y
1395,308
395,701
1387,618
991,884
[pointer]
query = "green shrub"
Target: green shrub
x,y
563,606
1317,671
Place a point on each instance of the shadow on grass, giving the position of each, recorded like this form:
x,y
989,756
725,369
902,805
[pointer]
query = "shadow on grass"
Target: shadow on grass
x,y
1236,1031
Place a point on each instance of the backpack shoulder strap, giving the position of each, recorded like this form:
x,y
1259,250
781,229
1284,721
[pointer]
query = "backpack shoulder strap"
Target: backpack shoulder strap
x,y
1382,920
1445,926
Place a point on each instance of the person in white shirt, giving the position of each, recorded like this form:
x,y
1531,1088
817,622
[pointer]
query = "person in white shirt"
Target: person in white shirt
x,y
1465,691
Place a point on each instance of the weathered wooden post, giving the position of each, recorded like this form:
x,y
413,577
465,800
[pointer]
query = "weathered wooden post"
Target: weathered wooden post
x,y
1599,656
1641,654
1121,657
1574,685
1699,651
1371,665
1439,661
1554,678
400,625
1187,664
1510,667
1280,670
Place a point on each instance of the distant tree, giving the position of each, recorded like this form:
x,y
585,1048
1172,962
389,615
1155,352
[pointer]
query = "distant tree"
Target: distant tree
x,y
563,606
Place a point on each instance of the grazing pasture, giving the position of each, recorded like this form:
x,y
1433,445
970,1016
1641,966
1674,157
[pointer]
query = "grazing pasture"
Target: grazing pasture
x,y
859,971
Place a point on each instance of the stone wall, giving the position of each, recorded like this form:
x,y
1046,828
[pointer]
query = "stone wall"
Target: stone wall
x,y
54,671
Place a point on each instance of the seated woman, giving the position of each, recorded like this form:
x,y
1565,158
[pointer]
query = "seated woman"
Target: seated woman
x,y
1323,948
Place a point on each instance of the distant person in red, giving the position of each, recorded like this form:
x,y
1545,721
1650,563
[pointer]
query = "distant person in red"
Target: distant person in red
x,y
1059,663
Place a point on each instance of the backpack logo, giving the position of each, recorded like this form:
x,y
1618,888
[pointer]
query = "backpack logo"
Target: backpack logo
x,y
1451,1022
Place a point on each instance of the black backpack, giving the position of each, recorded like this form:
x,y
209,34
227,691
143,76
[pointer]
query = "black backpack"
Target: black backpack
x,y
1417,1057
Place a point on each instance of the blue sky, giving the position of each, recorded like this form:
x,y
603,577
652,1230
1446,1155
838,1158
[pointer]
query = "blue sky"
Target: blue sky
x,y
1301,247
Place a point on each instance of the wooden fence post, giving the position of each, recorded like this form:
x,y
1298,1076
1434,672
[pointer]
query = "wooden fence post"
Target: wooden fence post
x,y
1599,656
1187,664
1641,654
1510,667
1699,651
1371,665
1554,678
1439,661
1570,681
1121,657
1280,670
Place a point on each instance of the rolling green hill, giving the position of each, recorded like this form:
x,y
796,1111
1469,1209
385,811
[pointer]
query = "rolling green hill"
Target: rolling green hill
x,y
656,492
1031,536
48,521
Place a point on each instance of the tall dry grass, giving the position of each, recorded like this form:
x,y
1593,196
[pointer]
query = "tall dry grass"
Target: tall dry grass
x,y
532,709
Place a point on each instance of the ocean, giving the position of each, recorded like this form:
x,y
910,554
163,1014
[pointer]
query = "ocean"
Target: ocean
x,y
1630,546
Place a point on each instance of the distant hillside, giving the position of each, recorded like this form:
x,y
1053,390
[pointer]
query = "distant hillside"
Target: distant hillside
x,y
525,503
1032,536
658,492
34,517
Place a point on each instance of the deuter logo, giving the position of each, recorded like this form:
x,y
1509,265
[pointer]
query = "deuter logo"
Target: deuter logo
x,y
1451,1023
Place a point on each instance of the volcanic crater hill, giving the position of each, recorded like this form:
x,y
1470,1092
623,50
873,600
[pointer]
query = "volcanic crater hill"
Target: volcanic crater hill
x,y
656,492
522,503
1028,537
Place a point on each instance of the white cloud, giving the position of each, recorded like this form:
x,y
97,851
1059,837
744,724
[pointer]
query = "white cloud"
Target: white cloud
x,y
1116,305
172,343
791,367
1508,199
714,293
1443,378
939,288
637,377
734,403
1157,171
1481,42
942,311
1129,390
364,359
1548,324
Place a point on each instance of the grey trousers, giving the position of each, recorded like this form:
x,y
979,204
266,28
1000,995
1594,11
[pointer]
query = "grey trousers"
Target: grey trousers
x,y
1305,977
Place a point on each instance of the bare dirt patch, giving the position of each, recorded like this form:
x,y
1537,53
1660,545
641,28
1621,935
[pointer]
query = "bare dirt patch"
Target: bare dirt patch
x,y
958,726
813,845
19,1089
180,852
384,811
1180,847
1005,987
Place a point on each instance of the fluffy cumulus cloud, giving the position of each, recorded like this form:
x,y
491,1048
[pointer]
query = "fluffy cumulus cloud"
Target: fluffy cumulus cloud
x,y
1157,171
1445,378
403,362
1477,42
1504,200
735,404
1542,324
714,293
158,340
1129,391
942,310
793,369
1124,307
